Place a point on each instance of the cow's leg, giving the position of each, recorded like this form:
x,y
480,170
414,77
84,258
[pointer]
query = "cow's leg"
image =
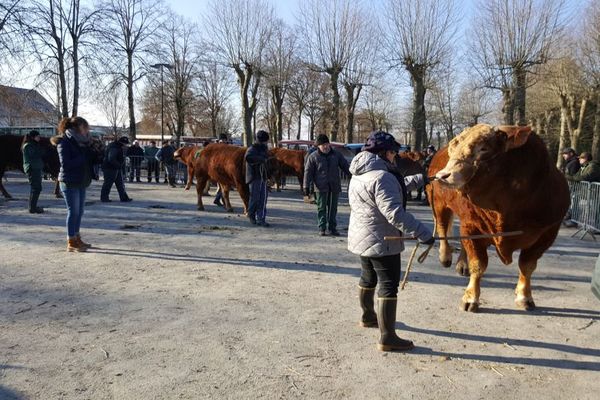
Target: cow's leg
x,y
478,260
244,193
301,181
225,189
444,218
2,189
200,183
190,175
462,266
527,263
57,191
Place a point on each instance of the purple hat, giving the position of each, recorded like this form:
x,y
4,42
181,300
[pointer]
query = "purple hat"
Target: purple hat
x,y
381,141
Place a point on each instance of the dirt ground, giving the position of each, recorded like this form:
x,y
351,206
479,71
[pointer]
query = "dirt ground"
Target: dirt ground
x,y
179,304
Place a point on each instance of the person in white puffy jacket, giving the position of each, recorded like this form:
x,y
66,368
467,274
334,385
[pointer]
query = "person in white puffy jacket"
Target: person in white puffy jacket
x,y
377,204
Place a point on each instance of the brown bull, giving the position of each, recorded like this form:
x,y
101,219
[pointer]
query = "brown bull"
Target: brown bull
x,y
498,180
187,155
11,157
290,163
224,164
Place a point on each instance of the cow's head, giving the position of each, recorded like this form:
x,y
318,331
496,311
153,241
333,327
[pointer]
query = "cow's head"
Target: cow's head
x,y
478,146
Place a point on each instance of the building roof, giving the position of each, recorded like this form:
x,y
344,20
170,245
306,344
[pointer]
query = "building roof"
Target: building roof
x,y
19,104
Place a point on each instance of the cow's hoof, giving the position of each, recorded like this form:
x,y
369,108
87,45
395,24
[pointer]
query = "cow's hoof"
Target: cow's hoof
x,y
470,307
187,188
462,269
446,264
200,208
229,210
525,304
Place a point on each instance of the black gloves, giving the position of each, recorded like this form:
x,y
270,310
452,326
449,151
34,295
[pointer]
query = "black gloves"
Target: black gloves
x,y
428,242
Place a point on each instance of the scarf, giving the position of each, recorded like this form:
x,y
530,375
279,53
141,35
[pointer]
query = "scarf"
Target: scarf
x,y
81,140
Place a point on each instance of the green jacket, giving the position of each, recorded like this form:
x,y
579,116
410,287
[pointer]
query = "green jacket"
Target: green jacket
x,y
589,172
32,157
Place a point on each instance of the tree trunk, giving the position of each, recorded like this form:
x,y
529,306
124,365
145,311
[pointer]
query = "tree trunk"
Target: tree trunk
x,y
576,133
508,106
299,124
562,141
75,58
352,94
520,85
596,129
335,100
130,99
277,106
419,117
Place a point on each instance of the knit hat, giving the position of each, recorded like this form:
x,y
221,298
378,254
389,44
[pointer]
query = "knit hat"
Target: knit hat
x,y
123,140
321,139
262,136
381,141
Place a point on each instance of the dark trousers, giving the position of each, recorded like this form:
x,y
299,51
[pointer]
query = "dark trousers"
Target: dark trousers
x,y
385,269
153,168
35,180
257,208
327,204
113,176
136,169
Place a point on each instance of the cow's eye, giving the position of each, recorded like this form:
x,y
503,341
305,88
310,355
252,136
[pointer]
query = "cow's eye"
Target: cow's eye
x,y
484,149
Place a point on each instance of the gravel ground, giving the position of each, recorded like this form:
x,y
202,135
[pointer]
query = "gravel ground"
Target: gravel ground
x,y
179,304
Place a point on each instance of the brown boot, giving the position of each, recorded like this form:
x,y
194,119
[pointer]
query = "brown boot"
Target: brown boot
x,y
366,296
82,243
73,245
386,314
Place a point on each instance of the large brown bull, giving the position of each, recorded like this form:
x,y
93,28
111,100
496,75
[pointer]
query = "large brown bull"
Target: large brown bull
x,y
11,157
187,155
498,180
290,163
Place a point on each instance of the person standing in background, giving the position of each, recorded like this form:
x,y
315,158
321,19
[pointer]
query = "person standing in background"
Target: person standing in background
x,y
33,164
256,159
112,167
166,156
135,154
323,169
153,164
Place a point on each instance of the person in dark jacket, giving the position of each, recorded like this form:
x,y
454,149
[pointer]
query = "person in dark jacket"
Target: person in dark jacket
x,y
33,165
112,167
166,156
323,169
153,163
256,159
589,171
135,154
571,164
77,159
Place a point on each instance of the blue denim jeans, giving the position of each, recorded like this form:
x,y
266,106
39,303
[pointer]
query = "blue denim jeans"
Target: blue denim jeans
x,y
75,200
257,208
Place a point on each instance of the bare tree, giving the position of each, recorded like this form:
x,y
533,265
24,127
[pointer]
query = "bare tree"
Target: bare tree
x,y
419,38
113,105
175,43
240,31
215,88
129,27
474,104
379,107
278,71
331,30
590,51
11,28
517,37
299,91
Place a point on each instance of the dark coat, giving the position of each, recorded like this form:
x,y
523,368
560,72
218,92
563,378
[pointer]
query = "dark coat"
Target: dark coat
x,y
113,156
571,166
256,159
165,155
76,163
33,156
324,171
135,151
589,172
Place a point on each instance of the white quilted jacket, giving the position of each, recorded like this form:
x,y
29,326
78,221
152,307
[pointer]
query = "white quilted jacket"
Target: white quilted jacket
x,y
376,208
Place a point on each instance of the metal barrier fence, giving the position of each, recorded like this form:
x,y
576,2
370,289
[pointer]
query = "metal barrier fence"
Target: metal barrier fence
x,y
585,207
147,169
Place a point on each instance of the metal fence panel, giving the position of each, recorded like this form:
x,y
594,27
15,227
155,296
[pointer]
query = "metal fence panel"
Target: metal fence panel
x,y
585,206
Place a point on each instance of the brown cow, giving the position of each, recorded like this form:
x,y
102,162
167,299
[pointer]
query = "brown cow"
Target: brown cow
x,y
291,163
11,157
498,180
187,155
225,165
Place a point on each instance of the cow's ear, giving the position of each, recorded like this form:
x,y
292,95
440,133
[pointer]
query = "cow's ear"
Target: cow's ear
x,y
516,136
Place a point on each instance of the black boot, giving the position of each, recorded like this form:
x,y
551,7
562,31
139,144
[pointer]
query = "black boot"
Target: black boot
x,y
33,200
366,296
386,314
